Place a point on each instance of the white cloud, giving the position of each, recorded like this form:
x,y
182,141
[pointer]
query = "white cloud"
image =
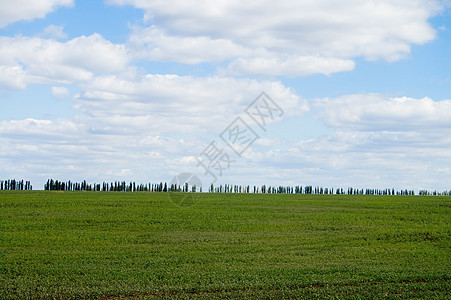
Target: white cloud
x,y
54,32
39,127
377,159
137,131
60,92
36,60
371,112
267,142
133,125
12,77
154,44
171,103
17,10
378,141
129,125
285,37
289,66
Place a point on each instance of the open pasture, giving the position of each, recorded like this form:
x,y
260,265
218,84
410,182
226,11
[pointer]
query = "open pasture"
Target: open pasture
x,y
107,245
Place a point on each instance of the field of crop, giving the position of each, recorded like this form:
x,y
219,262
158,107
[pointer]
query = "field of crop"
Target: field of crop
x,y
107,245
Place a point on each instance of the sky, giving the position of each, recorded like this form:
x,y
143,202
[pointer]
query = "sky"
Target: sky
x,y
355,93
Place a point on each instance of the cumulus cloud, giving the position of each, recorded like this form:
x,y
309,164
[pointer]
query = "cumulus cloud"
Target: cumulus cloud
x,y
54,32
129,125
38,130
172,103
371,112
135,127
60,92
289,66
380,159
18,10
37,60
286,37
377,141
135,124
155,44
13,77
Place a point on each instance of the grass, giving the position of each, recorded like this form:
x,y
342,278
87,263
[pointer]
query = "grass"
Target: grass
x,y
108,245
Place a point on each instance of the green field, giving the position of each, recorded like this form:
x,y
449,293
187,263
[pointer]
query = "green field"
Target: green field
x,y
107,245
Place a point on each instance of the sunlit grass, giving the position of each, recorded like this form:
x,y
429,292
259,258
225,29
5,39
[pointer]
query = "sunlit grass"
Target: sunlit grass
x,y
88,244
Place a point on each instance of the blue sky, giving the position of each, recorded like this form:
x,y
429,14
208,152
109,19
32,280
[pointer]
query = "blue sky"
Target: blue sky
x,y
133,90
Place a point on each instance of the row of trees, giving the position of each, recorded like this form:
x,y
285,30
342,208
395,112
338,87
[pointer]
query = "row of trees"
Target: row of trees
x,y
305,190
15,185
434,193
122,186
117,186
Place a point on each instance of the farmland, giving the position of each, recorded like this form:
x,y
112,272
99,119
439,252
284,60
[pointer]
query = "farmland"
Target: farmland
x,y
106,245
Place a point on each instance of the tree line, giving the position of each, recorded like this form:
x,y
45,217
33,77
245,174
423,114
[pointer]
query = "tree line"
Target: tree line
x,y
307,190
116,186
15,185
122,186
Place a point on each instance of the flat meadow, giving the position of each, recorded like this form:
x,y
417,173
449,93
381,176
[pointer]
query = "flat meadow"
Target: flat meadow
x,y
142,245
